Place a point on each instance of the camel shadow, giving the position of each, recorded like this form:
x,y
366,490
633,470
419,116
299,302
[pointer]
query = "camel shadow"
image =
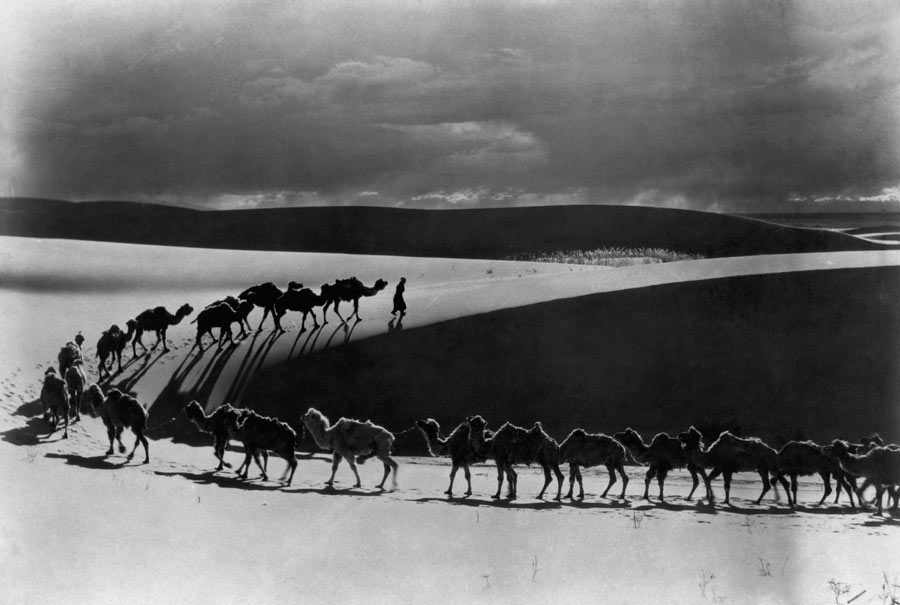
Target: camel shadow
x,y
334,491
492,503
35,432
30,408
251,365
126,385
225,481
395,327
599,503
314,332
99,462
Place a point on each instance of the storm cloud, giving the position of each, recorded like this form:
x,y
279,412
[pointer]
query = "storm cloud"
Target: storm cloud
x,y
709,105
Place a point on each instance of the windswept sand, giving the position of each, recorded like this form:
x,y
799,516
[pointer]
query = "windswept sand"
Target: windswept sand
x,y
76,526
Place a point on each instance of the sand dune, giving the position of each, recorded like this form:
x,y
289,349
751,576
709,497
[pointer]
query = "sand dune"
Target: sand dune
x,y
810,339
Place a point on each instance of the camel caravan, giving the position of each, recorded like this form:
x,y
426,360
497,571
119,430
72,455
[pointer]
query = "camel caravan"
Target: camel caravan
x,y
855,467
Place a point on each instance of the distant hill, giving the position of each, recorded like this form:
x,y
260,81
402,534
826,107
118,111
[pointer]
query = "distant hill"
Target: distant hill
x,y
471,233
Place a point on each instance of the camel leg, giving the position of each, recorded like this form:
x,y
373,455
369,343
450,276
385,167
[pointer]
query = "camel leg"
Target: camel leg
x,y
292,466
219,449
315,321
243,470
826,481
140,439
849,487
351,460
325,312
571,481
453,470
710,496
621,469
356,309
512,482
547,480
612,479
138,340
388,465
661,479
559,482
338,313
580,483
726,478
764,477
499,480
651,472
335,461
695,480
468,479
111,433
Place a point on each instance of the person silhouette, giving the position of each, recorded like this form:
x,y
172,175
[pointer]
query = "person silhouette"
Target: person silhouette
x,y
399,303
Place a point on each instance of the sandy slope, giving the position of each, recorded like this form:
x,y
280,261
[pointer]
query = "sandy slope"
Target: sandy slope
x,y
76,526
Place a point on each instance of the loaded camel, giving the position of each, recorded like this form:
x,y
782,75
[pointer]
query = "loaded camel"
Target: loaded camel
x,y
218,423
300,299
880,466
157,320
111,344
352,440
221,315
261,433
348,290
76,379
69,354
730,454
55,401
512,445
243,311
120,411
662,455
798,458
265,296
457,444
585,449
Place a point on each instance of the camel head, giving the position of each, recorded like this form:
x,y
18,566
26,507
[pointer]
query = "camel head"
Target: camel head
x,y
476,423
873,440
840,448
690,437
193,410
380,285
295,286
94,398
430,427
184,310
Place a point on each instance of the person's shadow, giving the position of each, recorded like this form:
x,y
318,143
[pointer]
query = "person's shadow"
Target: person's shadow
x,y
395,327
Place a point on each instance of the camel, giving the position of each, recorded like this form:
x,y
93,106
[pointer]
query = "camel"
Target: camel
x,y
111,344
220,315
512,445
880,466
75,382
259,433
300,299
68,354
120,411
730,454
157,320
662,455
348,290
350,439
236,304
265,296
55,401
456,444
797,458
217,423
581,448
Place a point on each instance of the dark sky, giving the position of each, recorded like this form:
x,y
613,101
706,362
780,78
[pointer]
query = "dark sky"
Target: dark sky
x,y
728,106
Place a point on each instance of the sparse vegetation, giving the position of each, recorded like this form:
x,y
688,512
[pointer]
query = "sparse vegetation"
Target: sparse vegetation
x,y
607,256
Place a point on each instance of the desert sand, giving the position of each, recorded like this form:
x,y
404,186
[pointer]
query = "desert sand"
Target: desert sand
x,y
78,526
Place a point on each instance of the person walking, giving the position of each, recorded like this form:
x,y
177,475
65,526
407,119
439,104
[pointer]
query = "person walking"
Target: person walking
x,y
399,303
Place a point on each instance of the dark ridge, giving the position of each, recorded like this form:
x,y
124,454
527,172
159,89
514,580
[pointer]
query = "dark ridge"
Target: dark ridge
x,y
481,233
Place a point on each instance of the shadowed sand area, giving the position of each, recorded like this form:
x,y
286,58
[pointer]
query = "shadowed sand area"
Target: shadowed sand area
x,y
809,355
